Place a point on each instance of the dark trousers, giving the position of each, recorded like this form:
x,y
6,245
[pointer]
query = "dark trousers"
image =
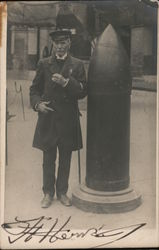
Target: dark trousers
x,y
49,179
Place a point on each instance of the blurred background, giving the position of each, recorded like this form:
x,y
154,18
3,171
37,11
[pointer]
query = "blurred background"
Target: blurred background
x,y
29,25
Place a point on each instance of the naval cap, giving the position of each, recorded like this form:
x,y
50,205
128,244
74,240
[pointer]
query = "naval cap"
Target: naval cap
x,y
60,34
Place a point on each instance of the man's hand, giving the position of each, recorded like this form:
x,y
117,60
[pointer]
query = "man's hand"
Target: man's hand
x,y
42,107
59,79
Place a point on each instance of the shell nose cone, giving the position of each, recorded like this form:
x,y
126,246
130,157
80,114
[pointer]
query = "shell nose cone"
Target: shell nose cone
x,y
109,68
109,37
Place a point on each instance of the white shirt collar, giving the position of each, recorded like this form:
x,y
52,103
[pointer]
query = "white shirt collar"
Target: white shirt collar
x,y
61,57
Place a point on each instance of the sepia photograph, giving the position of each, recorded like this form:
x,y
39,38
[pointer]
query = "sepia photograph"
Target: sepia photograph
x,y
79,129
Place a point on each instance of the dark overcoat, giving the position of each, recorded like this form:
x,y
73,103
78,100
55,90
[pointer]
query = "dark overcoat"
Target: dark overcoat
x,y
62,124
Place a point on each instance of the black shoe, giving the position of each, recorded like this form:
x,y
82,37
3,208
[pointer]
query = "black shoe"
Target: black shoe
x,y
64,200
46,201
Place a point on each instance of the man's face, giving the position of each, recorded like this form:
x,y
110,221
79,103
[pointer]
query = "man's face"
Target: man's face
x,y
61,47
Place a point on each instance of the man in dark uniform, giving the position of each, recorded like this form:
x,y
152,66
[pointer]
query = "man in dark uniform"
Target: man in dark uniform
x,y
59,82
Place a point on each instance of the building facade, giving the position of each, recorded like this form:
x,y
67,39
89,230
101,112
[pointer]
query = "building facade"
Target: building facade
x,y
136,23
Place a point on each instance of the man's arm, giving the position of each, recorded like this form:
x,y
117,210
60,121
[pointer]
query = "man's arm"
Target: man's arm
x,y
37,86
77,86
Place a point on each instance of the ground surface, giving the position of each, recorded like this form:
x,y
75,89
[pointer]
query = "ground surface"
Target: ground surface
x,y
23,178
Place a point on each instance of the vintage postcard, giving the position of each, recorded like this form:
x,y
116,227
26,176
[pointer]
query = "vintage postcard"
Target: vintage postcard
x,y
79,124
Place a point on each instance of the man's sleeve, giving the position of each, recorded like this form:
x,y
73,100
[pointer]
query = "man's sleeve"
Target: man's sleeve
x,y
77,86
37,86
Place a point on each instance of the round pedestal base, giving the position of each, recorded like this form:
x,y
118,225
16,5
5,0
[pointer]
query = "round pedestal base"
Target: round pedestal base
x,y
90,200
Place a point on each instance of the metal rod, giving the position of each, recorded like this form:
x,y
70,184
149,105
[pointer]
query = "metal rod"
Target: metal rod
x,y
21,92
79,160
79,166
